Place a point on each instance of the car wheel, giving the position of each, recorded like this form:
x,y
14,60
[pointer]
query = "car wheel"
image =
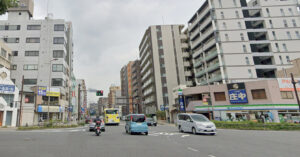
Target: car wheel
x,y
194,131
213,134
146,133
155,124
180,129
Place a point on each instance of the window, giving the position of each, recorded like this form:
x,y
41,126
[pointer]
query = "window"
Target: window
x,y
234,3
224,25
247,60
277,47
14,53
282,12
9,98
237,14
291,11
57,68
242,36
286,95
10,27
297,34
31,53
14,67
32,40
226,37
220,96
30,81
250,73
163,75
59,27
222,15
58,54
29,98
285,23
220,3
161,56
259,94
58,40
284,47
294,22
288,59
11,40
30,67
274,35
3,53
280,58
271,23
2,27
161,47
57,82
268,11
33,27
244,48
288,35
240,25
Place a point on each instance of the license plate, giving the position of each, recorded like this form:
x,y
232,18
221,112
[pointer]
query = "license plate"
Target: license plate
x,y
139,124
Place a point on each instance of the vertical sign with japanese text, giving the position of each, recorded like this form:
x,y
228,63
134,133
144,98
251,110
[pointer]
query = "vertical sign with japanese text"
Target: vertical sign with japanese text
x,y
237,93
181,100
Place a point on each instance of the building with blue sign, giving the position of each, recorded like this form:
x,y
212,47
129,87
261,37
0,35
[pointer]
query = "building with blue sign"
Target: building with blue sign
x,y
9,95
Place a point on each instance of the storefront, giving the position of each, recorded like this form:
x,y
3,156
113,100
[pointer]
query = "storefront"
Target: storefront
x,y
55,112
257,112
9,95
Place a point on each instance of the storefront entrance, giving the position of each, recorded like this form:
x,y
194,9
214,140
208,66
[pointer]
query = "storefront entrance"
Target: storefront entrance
x,y
8,118
1,117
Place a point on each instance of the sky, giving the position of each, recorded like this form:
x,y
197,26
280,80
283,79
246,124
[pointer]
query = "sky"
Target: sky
x,y
107,33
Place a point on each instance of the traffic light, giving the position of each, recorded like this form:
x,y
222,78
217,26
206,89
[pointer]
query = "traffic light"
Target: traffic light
x,y
99,93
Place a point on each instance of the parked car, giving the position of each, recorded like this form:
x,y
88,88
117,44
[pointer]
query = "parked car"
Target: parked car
x,y
136,123
195,123
93,124
151,122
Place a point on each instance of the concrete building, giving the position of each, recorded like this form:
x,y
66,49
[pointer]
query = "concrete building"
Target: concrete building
x,y
266,100
5,56
102,104
9,97
137,94
295,69
41,49
112,95
82,98
235,41
162,65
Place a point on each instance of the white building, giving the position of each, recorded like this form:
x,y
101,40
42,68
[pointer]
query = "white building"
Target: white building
x,y
9,96
236,41
42,51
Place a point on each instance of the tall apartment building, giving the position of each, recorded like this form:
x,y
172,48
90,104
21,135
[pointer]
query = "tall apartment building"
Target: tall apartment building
x,y
112,95
161,64
40,49
5,56
137,94
124,89
236,41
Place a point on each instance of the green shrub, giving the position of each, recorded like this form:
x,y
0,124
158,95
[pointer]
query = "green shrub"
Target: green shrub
x,y
161,115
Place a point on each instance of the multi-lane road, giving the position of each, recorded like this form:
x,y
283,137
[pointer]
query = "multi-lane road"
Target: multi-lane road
x,y
162,141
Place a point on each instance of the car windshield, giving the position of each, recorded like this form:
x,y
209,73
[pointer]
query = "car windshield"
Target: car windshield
x,y
138,118
111,111
199,118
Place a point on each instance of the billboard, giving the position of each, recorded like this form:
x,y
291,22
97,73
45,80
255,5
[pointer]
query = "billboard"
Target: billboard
x,y
285,84
7,88
237,93
44,91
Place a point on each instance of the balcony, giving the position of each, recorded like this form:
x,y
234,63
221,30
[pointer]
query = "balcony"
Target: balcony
x,y
206,22
197,53
211,55
145,67
213,67
185,55
145,58
184,45
215,78
209,43
188,73
200,73
189,83
198,63
186,64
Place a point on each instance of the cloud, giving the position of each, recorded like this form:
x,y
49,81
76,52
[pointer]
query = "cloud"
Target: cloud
x,y
107,32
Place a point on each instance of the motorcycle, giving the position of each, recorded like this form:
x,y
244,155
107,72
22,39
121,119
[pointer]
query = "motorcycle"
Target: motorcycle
x,y
98,129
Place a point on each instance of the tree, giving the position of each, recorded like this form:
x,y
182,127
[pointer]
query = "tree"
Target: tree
x,y
5,4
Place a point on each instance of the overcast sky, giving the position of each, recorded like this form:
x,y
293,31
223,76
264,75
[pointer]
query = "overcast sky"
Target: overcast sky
x,y
107,32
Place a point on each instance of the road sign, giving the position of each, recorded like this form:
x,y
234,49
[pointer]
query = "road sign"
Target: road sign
x,y
181,103
180,92
162,107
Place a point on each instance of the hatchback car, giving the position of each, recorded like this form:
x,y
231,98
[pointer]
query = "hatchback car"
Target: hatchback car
x,y
151,122
195,123
136,123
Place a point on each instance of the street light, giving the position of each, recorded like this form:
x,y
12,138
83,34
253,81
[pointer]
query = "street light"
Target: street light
x,y
48,117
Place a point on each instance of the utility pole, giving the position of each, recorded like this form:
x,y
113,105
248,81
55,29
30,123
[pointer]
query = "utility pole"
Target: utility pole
x,y
21,102
79,107
296,92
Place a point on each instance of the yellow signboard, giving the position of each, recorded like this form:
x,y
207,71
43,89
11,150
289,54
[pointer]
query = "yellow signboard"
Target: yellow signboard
x,y
52,93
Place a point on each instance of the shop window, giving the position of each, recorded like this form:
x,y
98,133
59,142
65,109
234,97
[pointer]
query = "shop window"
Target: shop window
x,y
220,96
29,98
287,95
259,94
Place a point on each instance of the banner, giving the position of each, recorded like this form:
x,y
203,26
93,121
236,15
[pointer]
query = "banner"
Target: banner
x,y
44,91
285,84
7,88
181,103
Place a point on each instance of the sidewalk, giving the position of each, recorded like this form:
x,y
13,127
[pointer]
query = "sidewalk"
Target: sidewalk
x,y
164,122
8,128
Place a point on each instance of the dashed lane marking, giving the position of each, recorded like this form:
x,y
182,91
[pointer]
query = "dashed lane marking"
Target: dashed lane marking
x,y
211,156
192,149
185,136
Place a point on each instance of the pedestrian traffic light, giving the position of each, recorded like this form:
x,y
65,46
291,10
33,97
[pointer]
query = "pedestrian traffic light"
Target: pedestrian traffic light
x,y
99,93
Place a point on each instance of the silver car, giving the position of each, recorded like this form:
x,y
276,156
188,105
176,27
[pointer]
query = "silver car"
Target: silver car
x,y
93,124
195,123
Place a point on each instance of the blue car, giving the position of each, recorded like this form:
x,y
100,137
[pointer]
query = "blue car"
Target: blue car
x,y
136,123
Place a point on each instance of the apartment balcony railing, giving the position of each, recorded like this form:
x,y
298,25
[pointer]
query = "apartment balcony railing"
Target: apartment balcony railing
x,y
215,78
200,73
213,67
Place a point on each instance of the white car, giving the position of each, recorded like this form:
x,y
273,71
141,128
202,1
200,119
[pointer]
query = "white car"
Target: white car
x,y
195,123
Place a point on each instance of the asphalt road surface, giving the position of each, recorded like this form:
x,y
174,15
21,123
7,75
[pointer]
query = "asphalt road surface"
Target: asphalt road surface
x,y
162,141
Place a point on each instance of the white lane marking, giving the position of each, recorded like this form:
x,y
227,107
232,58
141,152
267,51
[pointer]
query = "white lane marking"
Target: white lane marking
x,y
211,156
152,135
185,135
192,149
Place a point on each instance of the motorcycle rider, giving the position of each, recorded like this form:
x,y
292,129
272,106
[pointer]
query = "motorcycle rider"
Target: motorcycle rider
x,y
98,119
